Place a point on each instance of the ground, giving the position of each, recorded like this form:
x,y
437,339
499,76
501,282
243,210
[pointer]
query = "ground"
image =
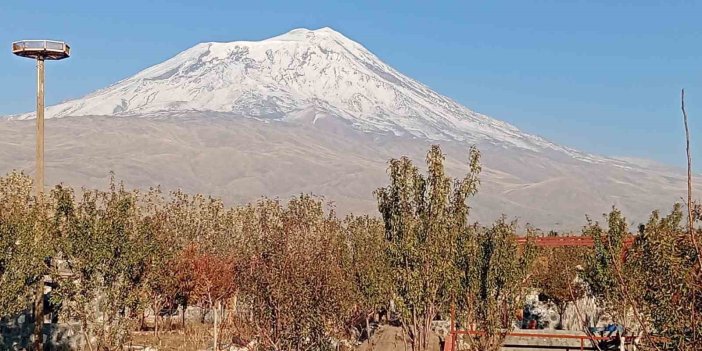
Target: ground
x,y
386,338
198,337
389,338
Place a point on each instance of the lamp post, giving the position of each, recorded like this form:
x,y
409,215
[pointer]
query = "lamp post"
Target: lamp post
x,y
40,50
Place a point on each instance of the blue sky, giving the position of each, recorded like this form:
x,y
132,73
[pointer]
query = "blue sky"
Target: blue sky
x,y
600,76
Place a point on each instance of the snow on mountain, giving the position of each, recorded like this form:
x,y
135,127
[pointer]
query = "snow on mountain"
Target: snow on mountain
x,y
319,70
313,111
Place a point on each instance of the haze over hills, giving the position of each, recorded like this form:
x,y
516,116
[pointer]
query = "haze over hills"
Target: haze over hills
x,y
313,111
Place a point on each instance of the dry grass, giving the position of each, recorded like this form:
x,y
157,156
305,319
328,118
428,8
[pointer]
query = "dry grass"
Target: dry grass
x,y
194,337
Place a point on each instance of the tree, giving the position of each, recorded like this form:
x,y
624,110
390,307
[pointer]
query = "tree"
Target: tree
x,y
184,280
25,248
557,276
213,282
168,279
493,284
424,216
295,277
603,273
664,282
106,250
653,288
368,264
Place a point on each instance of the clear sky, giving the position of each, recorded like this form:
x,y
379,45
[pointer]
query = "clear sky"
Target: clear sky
x,y
600,76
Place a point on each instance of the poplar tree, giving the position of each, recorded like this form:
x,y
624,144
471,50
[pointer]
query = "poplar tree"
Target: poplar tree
x,y
424,217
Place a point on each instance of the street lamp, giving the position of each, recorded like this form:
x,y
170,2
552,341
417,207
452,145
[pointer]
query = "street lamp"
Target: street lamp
x,y
40,50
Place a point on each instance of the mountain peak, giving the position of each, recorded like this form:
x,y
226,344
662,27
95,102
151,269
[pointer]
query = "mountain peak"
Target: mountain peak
x,y
319,31
303,71
304,33
313,36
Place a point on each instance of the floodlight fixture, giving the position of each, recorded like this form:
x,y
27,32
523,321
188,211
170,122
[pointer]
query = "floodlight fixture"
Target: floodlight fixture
x,y
41,49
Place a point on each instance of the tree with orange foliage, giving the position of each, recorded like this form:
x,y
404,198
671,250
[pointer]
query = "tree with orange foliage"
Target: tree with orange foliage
x,y
556,275
213,282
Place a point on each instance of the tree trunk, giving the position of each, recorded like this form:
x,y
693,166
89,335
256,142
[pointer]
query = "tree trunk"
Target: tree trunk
x,y
142,321
368,335
427,328
39,316
235,303
223,318
169,322
560,321
404,336
203,313
85,336
185,307
415,331
157,312
561,311
216,344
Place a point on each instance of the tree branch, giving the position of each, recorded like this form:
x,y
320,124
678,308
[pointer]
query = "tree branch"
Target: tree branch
x,y
693,236
689,177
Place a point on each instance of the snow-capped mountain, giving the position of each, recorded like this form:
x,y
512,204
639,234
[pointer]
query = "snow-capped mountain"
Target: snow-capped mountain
x,y
318,78
302,70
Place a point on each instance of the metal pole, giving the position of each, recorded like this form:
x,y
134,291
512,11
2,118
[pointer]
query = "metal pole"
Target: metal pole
x,y
40,128
39,298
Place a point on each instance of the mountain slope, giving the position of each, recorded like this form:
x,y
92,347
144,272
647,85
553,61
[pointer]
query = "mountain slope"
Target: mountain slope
x,y
318,71
241,159
324,86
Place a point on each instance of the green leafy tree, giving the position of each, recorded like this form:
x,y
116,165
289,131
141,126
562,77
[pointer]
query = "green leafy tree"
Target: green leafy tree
x,y
601,275
424,216
663,282
653,288
493,285
370,269
106,249
25,246
604,273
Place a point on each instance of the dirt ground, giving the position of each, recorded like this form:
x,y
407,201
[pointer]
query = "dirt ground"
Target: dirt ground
x,y
386,338
389,338
198,337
